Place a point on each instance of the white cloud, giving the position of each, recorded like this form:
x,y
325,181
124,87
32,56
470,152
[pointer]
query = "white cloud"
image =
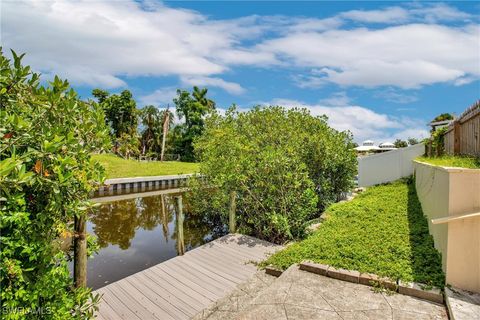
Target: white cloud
x,y
426,12
246,57
311,24
438,12
387,15
465,80
396,96
406,56
96,42
231,87
417,133
106,42
159,97
336,99
282,102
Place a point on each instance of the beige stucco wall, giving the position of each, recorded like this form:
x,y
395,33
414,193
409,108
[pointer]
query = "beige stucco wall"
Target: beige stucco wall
x,y
432,189
445,192
463,263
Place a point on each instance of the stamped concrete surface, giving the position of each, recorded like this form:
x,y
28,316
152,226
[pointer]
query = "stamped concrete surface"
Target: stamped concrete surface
x,y
298,294
464,305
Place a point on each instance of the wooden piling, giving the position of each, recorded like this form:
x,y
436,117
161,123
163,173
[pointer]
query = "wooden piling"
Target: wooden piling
x,y
180,219
80,252
232,224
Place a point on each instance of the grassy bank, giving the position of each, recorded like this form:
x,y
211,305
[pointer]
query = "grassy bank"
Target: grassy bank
x,y
117,167
453,161
382,231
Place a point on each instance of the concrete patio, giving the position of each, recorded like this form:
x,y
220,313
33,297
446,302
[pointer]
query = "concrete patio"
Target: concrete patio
x,y
303,295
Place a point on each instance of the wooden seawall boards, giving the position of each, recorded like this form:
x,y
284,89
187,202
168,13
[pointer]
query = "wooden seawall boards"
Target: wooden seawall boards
x,y
181,287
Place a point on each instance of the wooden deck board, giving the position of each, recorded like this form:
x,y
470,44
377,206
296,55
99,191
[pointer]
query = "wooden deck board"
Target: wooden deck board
x,y
171,288
159,300
106,312
197,271
184,285
198,284
235,273
210,264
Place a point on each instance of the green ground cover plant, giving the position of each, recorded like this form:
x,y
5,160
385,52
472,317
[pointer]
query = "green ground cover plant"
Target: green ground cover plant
x,y
284,165
117,167
381,231
452,161
46,137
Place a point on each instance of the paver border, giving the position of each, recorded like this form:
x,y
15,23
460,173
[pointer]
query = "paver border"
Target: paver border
x,y
412,289
271,270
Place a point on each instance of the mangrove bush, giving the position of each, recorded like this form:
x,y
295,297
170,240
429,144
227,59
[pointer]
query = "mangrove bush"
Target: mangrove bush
x,y
285,166
46,174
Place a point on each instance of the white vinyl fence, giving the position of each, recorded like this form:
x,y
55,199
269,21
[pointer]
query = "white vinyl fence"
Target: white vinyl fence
x,y
388,166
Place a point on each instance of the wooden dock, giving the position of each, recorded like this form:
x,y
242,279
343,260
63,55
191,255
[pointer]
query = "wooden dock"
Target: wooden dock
x,y
181,287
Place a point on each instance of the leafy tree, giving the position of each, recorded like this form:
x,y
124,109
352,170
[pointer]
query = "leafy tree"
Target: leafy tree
x,y
443,116
413,141
193,107
438,141
399,143
128,145
46,137
120,110
286,166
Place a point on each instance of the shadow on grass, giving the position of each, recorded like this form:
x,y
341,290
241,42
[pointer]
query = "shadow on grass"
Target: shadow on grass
x,y
426,261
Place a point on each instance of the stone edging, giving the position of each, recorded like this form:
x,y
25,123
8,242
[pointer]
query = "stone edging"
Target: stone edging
x,y
409,289
273,271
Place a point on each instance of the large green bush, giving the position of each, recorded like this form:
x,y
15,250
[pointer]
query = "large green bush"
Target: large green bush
x,y
285,165
46,174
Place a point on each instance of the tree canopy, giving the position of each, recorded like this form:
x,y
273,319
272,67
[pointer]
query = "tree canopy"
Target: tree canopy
x,y
413,141
399,143
46,137
286,166
120,111
443,116
193,108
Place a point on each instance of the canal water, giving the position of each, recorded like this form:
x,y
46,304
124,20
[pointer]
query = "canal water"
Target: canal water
x,y
140,231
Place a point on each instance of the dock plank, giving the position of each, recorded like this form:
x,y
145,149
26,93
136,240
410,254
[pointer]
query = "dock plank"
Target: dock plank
x,y
177,288
182,286
196,283
168,302
222,265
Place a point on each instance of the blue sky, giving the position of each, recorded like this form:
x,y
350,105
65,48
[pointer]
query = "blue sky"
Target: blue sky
x,y
379,69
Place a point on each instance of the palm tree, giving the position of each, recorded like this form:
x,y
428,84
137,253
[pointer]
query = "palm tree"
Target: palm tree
x,y
150,117
200,96
167,117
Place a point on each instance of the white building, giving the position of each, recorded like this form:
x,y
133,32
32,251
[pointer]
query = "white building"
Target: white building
x,y
368,146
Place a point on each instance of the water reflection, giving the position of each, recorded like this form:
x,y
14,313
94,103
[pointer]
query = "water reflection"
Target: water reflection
x,y
137,233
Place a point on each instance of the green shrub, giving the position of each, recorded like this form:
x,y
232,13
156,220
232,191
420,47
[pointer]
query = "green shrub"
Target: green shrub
x,y
285,166
382,231
46,137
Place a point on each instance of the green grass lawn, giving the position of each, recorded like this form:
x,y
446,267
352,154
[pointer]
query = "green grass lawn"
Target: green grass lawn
x,y
453,161
117,167
381,231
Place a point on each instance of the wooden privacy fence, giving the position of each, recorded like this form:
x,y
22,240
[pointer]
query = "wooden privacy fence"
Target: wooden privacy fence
x,y
463,134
